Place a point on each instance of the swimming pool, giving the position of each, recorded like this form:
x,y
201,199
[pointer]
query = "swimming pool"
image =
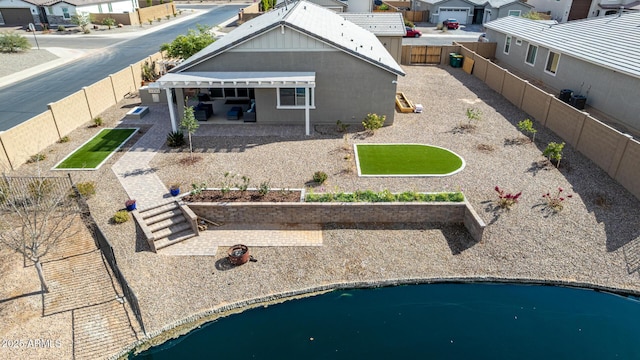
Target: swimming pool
x,y
434,321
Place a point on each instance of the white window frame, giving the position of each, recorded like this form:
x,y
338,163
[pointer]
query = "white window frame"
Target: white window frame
x,y
546,64
519,42
312,104
507,44
514,11
533,63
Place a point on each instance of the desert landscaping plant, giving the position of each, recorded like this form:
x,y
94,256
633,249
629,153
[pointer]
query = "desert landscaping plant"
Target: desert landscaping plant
x,y
86,188
97,121
264,188
506,200
373,122
244,184
190,125
553,151
83,20
320,177
555,201
175,139
11,42
149,72
121,216
197,188
37,213
384,196
109,22
64,139
36,158
526,126
532,15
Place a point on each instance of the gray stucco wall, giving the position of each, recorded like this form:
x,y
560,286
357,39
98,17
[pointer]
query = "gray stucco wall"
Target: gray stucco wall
x,y
504,11
347,88
610,92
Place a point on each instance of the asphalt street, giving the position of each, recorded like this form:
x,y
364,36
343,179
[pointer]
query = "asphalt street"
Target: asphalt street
x,y
28,98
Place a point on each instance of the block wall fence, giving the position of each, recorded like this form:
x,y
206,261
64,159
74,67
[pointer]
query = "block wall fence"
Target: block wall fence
x,y
613,151
22,141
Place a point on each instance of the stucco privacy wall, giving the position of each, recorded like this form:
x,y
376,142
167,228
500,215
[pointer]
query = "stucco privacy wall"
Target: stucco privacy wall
x,y
628,173
157,11
480,67
322,213
120,18
495,77
565,121
29,138
100,96
513,89
123,83
70,112
535,102
602,144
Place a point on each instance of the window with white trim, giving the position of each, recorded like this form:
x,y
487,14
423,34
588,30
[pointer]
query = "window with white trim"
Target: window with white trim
x,y
507,44
290,98
552,63
531,55
514,13
65,13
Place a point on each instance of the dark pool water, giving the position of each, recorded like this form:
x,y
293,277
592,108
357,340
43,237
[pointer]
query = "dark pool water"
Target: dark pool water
x,y
439,321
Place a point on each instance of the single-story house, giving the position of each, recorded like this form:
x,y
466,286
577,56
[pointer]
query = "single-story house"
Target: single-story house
x,y
567,10
388,27
333,5
471,11
598,58
299,64
57,12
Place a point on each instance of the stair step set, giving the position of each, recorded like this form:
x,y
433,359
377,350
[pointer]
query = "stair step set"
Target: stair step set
x,y
167,224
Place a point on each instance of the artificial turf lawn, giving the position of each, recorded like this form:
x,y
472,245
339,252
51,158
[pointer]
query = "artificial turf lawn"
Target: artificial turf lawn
x,y
96,150
406,159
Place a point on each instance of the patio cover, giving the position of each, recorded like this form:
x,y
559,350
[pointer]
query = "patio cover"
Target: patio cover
x,y
237,79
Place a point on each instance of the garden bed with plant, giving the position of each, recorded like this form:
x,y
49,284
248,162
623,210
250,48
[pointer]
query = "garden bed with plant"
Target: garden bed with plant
x,y
244,196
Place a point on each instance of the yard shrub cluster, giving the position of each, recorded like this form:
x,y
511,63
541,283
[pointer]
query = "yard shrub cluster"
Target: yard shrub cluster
x,y
12,42
120,217
385,196
184,46
86,189
320,177
373,122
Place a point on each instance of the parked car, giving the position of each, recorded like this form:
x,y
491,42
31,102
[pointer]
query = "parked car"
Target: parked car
x,y
451,24
483,38
412,32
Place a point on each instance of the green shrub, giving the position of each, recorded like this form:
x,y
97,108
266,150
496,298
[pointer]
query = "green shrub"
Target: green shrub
x,y
384,196
320,177
264,188
383,7
554,152
373,122
37,157
12,42
120,217
409,23
97,121
175,139
61,28
40,188
108,22
526,125
64,139
86,189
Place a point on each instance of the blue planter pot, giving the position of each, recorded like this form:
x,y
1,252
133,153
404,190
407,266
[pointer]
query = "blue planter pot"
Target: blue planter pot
x,y
174,192
131,207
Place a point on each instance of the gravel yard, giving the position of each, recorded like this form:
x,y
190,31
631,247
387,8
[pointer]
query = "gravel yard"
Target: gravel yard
x,y
594,240
23,61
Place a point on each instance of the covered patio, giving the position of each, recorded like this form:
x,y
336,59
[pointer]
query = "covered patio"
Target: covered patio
x,y
293,91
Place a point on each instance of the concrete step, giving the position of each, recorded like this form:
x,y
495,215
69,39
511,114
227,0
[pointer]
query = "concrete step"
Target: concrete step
x,y
173,229
171,221
154,211
163,216
174,238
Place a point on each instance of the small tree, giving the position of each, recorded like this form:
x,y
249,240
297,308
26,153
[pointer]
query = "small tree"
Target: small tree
x,y
554,152
36,214
12,42
526,126
83,20
109,22
190,125
184,46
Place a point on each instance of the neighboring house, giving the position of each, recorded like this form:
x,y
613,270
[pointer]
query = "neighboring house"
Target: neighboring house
x,y
388,27
567,10
598,58
333,5
471,11
302,64
57,12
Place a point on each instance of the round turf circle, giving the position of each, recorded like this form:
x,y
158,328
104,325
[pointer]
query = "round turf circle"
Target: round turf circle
x,y
406,160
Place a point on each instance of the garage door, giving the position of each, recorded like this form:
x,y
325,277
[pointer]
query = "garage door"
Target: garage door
x,y
19,16
459,14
